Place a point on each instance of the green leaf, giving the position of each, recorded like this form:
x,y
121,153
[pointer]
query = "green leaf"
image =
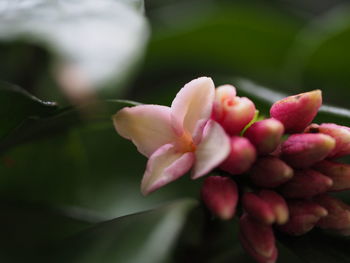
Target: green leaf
x,y
320,56
146,237
237,38
17,106
27,229
24,117
97,40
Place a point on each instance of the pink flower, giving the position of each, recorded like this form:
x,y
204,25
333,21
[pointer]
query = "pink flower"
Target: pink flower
x,y
176,138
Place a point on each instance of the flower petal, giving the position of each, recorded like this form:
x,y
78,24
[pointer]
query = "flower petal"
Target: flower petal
x,y
164,166
192,103
212,150
148,126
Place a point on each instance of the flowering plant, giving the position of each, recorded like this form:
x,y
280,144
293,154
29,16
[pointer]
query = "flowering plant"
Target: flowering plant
x,y
280,170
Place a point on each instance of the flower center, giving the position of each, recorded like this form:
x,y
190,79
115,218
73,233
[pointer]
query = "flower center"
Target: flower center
x,y
185,143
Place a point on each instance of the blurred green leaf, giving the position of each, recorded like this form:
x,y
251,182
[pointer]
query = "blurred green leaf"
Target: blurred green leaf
x,y
99,41
61,120
320,56
27,229
17,105
240,39
24,117
146,237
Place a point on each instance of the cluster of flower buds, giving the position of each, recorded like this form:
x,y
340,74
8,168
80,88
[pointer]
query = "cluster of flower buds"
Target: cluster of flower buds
x,y
281,170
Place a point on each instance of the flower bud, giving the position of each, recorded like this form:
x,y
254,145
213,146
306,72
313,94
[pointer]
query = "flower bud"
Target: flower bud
x,y
296,112
338,217
341,134
220,195
305,207
270,172
306,184
258,240
304,215
232,112
265,135
277,204
299,225
257,208
304,150
241,157
338,172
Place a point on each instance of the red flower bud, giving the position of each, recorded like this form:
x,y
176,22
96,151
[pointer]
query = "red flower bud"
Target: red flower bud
x,y
258,240
338,217
338,172
220,195
341,134
296,112
270,172
258,208
305,207
304,150
232,112
241,157
304,215
306,184
299,225
265,135
277,204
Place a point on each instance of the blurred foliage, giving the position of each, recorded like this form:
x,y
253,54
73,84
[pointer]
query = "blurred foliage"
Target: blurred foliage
x,y
64,171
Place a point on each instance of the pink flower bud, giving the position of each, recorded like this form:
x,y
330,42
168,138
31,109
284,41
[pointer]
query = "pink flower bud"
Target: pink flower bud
x,y
258,208
277,204
304,150
306,184
241,157
341,134
232,112
338,172
265,135
304,215
305,207
258,240
220,195
270,172
296,112
338,217
299,225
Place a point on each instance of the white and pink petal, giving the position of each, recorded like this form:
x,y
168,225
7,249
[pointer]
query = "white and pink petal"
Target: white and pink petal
x,y
164,166
194,102
147,126
212,150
